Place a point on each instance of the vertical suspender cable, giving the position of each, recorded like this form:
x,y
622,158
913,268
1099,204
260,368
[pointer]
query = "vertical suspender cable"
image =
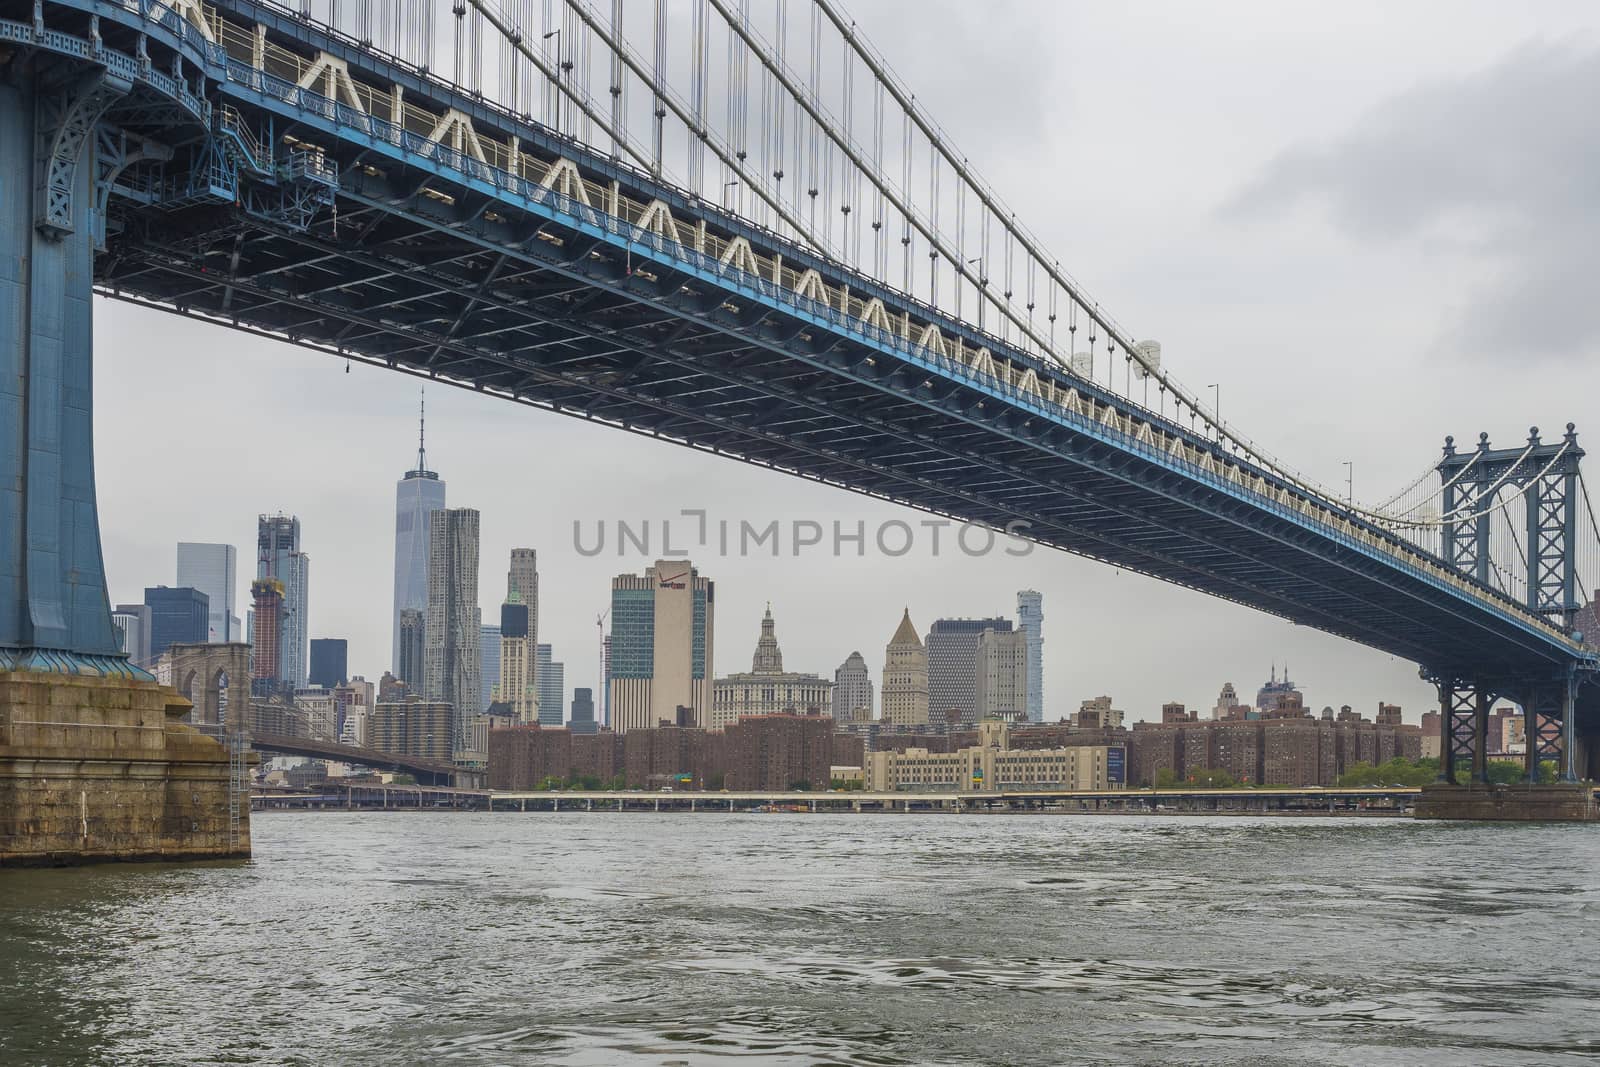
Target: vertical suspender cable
x,y
780,108
961,240
586,74
571,51
983,263
429,59
1005,325
731,116
905,218
827,193
933,253
618,80
548,33
697,98
658,109
459,10
813,179
764,145
475,50
851,241
880,258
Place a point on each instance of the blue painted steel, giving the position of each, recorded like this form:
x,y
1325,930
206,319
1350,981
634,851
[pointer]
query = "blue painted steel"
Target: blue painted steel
x,y
54,613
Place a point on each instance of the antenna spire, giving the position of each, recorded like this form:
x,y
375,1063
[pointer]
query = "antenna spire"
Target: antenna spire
x,y
422,431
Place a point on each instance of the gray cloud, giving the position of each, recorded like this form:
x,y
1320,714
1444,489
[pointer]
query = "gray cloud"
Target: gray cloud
x,y
1496,171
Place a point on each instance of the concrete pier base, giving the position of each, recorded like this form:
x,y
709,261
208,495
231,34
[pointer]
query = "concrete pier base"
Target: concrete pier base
x,y
96,769
1563,802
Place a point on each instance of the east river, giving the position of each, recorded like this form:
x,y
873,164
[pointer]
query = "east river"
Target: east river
x,y
392,939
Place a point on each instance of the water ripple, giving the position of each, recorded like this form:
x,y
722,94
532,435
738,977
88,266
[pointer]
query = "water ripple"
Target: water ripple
x,y
588,939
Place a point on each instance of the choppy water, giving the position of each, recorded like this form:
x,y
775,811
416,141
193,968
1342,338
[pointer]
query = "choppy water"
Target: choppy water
x,y
786,939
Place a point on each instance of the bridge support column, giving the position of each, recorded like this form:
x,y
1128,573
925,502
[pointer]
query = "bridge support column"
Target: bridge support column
x,y
1569,712
54,612
1530,733
1480,736
1447,755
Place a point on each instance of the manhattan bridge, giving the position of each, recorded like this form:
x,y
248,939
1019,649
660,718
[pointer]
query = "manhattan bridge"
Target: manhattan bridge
x,y
723,224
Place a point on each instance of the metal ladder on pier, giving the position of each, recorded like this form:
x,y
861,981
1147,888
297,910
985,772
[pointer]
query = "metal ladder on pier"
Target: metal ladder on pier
x,y
238,785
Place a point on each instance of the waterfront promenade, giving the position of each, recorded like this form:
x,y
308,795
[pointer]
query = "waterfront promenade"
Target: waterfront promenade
x,y
1373,800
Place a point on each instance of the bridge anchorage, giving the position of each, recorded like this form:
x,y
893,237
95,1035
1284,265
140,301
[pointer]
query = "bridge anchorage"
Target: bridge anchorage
x,y
824,287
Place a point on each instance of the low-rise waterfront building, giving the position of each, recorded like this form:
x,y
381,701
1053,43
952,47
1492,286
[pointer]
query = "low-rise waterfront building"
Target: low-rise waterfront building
x,y
993,765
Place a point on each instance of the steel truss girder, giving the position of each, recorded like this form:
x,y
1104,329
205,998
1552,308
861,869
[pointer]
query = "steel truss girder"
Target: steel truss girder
x,y
64,126
1249,591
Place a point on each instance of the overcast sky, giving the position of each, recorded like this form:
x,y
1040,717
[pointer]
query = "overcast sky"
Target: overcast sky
x,y
1373,224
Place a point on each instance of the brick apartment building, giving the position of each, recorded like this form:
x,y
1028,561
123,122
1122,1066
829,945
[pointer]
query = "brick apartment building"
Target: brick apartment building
x,y
761,752
1286,750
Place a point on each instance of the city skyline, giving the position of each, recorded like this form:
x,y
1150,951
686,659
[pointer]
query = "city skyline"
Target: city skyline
x,y
1051,712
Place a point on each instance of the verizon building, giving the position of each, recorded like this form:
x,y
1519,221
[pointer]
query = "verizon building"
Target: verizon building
x,y
661,638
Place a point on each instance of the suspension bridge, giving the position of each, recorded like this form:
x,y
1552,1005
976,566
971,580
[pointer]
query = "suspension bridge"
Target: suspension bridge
x,y
734,231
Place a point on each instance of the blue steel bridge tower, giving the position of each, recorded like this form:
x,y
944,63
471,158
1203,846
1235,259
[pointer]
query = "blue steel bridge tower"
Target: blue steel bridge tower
x,y
57,162
1534,492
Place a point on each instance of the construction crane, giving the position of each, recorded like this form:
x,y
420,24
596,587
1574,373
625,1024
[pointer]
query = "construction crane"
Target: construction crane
x,y
604,702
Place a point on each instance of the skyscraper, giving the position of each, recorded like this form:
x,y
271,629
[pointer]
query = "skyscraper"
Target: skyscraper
x,y
177,616
214,570
515,686
852,687
550,677
662,625
1030,620
279,555
953,667
905,677
266,635
450,661
420,492
330,661
522,578
582,718
1002,675
133,622
489,663
408,668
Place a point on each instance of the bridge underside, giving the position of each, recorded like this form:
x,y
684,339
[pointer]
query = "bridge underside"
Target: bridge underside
x,y
570,323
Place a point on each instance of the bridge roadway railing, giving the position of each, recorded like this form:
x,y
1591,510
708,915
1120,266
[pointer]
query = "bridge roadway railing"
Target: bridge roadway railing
x,y
995,369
